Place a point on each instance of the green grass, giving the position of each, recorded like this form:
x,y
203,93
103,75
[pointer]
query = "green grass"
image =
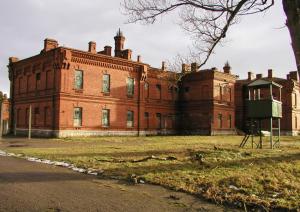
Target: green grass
x,y
226,173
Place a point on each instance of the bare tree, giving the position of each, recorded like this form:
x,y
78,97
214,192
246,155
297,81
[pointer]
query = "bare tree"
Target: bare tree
x,y
207,21
292,11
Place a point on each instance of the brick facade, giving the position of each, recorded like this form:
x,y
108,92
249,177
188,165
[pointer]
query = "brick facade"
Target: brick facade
x,y
84,93
4,101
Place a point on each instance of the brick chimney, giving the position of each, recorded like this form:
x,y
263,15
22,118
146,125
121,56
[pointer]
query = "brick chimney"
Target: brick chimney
x,y
92,47
288,77
194,67
13,60
119,44
227,68
251,76
126,54
139,59
258,76
294,75
185,68
163,66
107,50
270,73
50,44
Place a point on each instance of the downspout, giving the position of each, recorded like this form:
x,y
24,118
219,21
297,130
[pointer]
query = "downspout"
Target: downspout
x,y
139,103
55,68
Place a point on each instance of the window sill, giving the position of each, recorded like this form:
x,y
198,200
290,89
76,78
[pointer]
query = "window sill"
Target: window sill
x,y
129,96
105,93
78,90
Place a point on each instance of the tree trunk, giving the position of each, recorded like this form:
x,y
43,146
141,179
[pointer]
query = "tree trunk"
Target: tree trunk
x,y
292,11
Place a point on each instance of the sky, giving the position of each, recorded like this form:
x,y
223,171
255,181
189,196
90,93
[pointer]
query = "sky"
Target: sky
x,y
258,43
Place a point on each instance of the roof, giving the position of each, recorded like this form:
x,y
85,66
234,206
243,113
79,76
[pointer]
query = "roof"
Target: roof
x,y
263,83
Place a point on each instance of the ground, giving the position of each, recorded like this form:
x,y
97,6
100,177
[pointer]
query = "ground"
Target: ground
x,y
27,186
213,168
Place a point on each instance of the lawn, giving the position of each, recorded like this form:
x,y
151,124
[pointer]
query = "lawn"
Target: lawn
x,y
211,167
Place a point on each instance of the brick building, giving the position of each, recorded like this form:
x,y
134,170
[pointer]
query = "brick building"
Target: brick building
x,y
4,103
73,93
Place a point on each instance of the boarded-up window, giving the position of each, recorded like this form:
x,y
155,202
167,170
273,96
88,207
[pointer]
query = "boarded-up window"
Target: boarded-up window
x,y
220,117
106,83
158,89
105,117
146,115
130,86
129,118
158,120
146,90
48,80
230,121
77,117
78,79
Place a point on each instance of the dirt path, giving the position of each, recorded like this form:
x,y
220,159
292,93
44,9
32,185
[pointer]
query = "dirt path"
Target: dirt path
x,y
28,186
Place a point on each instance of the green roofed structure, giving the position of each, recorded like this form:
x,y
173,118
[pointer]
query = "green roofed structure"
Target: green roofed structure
x,y
262,104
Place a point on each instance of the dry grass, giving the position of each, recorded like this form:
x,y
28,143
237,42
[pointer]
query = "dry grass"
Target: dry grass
x,y
213,167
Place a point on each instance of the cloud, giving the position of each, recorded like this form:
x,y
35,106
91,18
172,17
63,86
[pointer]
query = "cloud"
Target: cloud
x,y
254,44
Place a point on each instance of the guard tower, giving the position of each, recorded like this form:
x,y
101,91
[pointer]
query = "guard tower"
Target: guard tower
x,y
263,105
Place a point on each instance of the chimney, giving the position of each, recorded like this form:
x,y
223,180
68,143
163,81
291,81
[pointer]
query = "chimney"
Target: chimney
x,y
294,75
251,76
194,67
163,66
270,73
92,47
119,44
107,50
13,60
139,59
258,76
227,68
126,54
49,44
185,68
288,77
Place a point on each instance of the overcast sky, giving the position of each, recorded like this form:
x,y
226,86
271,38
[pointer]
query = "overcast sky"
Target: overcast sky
x,y
256,44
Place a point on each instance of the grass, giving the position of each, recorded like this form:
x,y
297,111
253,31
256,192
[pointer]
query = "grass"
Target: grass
x,y
212,167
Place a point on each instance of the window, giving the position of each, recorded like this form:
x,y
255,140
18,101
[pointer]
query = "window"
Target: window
x,y
20,84
77,117
220,120
159,122
129,118
106,83
47,115
158,88
105,118
146,86
230,121
36,114
146,120
78,79
38,76
130,86
27,117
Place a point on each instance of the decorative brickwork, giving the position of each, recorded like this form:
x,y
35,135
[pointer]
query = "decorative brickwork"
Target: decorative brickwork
x,y
87,93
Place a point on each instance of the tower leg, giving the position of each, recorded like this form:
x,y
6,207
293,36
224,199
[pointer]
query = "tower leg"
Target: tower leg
x,y
271,133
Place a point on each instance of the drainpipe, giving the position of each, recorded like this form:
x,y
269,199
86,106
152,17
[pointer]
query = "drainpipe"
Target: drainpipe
x,y
139,102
